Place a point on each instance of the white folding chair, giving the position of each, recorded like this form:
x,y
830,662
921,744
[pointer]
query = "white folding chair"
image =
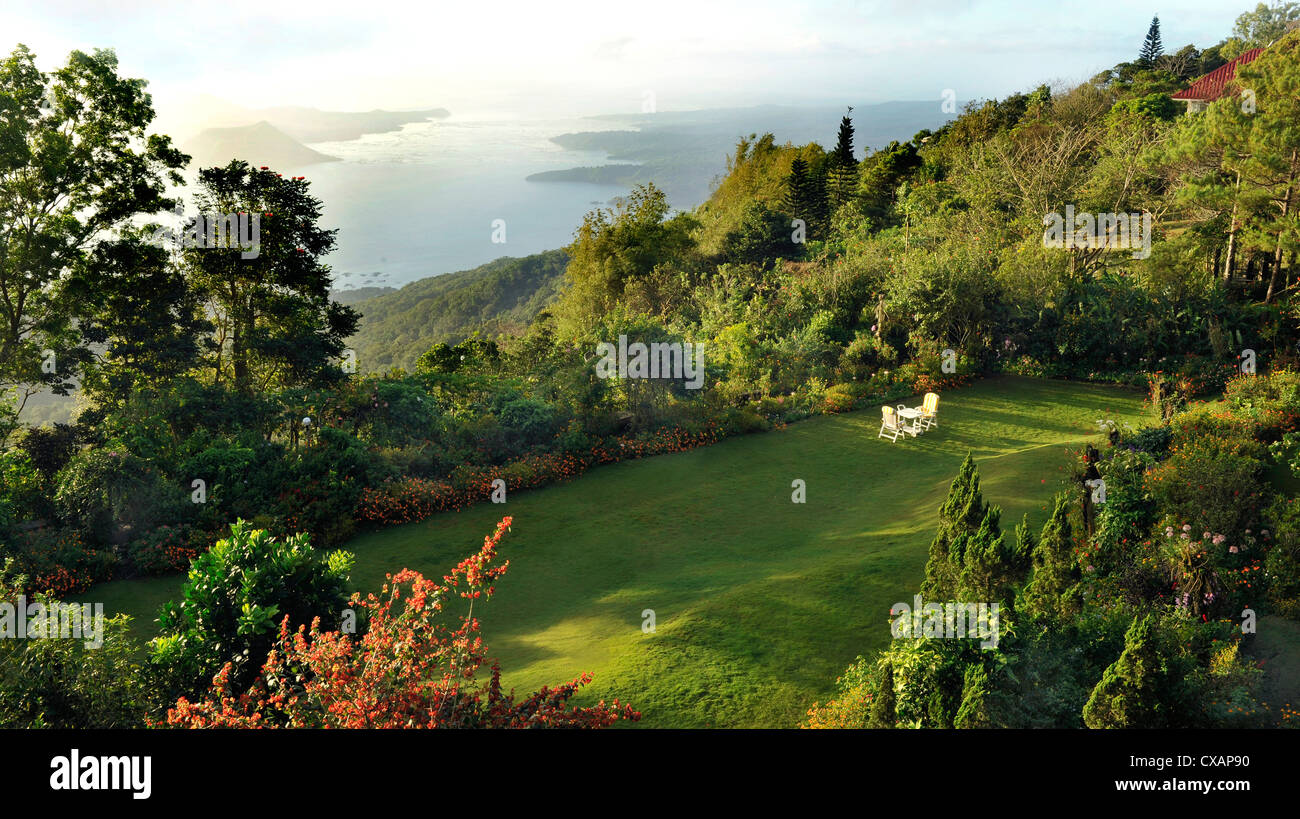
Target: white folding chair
x,y
929,411
890,425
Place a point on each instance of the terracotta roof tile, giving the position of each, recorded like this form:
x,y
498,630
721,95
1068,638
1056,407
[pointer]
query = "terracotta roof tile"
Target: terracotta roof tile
x,y
1210,87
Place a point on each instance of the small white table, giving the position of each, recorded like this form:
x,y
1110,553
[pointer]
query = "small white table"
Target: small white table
x,y
911,414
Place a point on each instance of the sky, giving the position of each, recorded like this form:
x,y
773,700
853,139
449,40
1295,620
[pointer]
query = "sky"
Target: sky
x,y
582,57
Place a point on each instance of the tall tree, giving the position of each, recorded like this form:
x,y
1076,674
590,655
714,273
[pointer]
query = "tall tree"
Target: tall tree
x,y
804,197
75,163
1053,588
613,248
882,705
962,513
842,180
276,324
141,310
1152,48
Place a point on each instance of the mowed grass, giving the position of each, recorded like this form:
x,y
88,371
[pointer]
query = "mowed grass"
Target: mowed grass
x,y
760,603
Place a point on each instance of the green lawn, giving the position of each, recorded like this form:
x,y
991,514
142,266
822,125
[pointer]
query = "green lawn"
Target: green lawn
x,y
760,603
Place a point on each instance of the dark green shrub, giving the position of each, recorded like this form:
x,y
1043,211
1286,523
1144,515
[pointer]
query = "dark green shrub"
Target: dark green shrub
x,y
235,596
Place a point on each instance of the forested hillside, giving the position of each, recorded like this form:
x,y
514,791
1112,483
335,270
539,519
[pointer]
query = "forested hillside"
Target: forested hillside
x,y
502,296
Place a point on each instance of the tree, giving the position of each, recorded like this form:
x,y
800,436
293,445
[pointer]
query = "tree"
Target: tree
x,y
985,562
962,513
1238,162
1263,146
1259,28
882,705
842,179
974,709
1134,690
276,324
1151,46
805,197
142,310
761,236
1052,591
416,666
75,162
614,247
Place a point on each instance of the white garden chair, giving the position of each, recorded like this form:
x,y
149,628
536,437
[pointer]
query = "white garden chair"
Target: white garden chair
x,y
929,411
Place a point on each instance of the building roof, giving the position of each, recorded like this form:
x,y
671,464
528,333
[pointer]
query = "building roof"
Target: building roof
x,y
1210,87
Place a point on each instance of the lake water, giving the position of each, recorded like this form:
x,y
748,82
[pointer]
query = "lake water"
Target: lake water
x,y
423,201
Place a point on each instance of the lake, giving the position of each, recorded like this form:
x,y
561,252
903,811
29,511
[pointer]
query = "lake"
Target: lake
x,y
424,200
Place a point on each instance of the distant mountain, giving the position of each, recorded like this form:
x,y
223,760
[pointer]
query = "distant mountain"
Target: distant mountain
x,y
502,296
185,116
684,152
312,125
260,144
360,294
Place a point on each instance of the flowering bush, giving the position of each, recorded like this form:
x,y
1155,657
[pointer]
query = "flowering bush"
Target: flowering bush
x,y
409,499
1271,402
416,666
1216,480
1211,572
165,549
59,561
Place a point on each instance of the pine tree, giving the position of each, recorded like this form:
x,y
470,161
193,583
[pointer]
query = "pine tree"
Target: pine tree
x,y
1133,691
1151,46
1052,590
882,705
843,176
962,513
1022,557
798,202
982,572
819,196
974,709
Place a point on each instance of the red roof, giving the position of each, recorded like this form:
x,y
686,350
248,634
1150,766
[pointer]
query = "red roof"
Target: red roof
x,y
1210,87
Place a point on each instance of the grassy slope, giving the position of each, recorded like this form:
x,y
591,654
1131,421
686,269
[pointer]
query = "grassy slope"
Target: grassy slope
x,y
760,602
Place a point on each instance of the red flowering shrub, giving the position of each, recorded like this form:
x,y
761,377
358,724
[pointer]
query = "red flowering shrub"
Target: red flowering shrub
x,y
416,666
410,499
59,561
165,549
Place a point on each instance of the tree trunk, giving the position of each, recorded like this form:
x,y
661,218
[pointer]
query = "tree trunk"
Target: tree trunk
x,y
1277,253
1232,233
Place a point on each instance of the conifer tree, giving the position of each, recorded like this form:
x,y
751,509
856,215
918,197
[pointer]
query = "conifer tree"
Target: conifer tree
x,y
1133,691
1151,46
843,169
1022,555
882,705
962,512
974,709
1052,591
799,200
982,572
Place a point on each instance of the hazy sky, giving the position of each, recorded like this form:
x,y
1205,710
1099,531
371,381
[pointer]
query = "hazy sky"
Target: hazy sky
x,y
602,56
